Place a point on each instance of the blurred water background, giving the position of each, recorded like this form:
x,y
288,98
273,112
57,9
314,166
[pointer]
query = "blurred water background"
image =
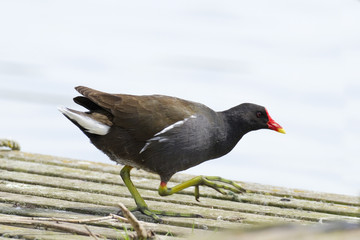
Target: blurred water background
x,y
300,59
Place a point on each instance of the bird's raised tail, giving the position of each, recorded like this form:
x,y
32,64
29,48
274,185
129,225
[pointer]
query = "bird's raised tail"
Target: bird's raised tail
x,y
85,121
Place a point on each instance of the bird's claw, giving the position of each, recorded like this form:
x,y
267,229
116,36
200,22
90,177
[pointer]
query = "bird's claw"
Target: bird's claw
x,y
146,211
211,182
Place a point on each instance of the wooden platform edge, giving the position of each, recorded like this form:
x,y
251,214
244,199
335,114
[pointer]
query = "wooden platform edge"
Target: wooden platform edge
x,y
35,186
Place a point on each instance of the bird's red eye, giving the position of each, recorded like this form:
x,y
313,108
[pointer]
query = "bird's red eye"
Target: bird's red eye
x,y
258,114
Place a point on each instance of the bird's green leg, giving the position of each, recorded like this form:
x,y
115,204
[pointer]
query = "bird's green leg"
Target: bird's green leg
x,y
140,203
201,180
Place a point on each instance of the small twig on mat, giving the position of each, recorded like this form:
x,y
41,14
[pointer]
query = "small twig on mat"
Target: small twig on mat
x,y
91,233
140,230
64,224
114,216
25,221
81,220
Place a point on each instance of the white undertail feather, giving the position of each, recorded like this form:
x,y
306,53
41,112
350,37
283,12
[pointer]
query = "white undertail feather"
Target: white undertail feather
x,y
91,125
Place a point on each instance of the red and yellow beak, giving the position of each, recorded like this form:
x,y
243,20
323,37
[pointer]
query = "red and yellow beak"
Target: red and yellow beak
x,y
274,125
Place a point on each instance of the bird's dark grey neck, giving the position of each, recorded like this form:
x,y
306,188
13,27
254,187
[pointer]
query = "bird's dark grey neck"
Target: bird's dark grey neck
x,y
238,126
232,130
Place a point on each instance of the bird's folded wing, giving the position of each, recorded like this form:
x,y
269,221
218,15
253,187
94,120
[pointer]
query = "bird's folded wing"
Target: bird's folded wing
x,y
143,116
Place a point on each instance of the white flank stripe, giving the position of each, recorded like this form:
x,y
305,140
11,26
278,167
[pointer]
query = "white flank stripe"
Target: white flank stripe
x,y
91,125
178,123
163,139
145,147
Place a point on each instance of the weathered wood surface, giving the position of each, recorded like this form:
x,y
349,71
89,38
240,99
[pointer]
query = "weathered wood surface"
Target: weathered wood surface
x,y
38,186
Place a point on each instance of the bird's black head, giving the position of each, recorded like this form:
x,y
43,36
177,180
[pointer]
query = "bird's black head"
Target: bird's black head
x,y
248,117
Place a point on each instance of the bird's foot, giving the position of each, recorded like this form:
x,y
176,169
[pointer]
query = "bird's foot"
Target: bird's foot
x,y
212,183
216,183
154,213
146,211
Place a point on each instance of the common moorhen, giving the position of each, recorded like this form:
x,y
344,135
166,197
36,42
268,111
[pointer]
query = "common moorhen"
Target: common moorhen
x,y
164,135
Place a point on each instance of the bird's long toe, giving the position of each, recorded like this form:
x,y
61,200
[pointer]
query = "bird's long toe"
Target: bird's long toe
x,y
233,186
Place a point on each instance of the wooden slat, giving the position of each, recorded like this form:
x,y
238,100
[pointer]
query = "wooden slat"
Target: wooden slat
x,y
110,189
38,211
149,184
19,232
115,169
33,185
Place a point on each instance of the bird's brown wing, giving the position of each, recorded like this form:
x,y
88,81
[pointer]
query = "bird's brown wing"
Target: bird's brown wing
x,y
143,116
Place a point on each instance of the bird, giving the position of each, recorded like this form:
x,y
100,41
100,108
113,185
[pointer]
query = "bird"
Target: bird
x,y
164,135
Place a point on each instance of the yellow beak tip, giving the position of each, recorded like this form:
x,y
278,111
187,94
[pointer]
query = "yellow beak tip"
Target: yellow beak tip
x,y
281,130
